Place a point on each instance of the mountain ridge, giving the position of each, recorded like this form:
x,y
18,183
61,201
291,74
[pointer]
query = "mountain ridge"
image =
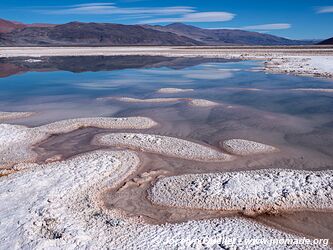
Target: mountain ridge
x,y
111,34
327,41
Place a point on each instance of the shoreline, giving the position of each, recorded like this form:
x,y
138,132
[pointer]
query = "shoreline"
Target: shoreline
x,y
303,60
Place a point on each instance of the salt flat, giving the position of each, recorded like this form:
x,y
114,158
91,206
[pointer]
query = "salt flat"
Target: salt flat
x,y
299,60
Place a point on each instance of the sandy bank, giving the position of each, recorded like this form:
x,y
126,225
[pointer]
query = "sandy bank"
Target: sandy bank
x,y
165,145
250,192
245,147
190,101
5,116
17,141
173,90
61,209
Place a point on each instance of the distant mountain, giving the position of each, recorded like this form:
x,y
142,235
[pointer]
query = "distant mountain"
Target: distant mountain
x,y
107,34
327,41
225,36
8,26
92,34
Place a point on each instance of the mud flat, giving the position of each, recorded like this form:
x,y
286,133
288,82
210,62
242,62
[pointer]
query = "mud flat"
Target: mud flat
x,y
62,210
5,116
245,147
250,192
190,101
165,145
299,60
173,90
17,141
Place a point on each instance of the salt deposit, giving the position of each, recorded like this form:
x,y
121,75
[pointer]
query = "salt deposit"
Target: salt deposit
x,y
245,147
314,90
173,90
250,192
17,141
299,61
60,209
190,101
4,116
165,145
202,103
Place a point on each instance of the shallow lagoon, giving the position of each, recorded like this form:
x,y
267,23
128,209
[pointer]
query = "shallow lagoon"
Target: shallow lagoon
x,y
256,106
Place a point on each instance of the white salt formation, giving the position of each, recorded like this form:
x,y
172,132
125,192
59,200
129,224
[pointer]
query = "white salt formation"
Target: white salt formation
x,y
57,206
251,192
173,90
314,90
202,103
165,145
17,141
4,116
190,101
245,147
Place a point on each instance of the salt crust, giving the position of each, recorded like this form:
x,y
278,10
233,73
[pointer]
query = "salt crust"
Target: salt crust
x,y
17,141
190,101
314,90
173,90
298,61
56,206
5,116
165,145
251,192
245,147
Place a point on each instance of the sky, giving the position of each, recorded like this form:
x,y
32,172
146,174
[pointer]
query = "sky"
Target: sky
x,y
295,19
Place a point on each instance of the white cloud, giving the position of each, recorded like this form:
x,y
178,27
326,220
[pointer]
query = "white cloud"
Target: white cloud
x,y
146,14
111,8
325,9
195,17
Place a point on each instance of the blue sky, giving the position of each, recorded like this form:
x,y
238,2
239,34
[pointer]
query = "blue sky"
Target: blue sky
x,y
300,19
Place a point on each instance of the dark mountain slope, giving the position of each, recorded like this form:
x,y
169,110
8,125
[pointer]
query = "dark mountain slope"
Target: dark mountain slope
x,y
76,33
225,36
327,41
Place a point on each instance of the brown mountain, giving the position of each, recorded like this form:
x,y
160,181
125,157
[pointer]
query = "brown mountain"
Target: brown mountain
x,y
225,36
92,34
7,26
107,34
327,41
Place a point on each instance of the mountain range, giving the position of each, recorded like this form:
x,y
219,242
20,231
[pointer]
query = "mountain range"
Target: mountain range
x,y
108,34
327,41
